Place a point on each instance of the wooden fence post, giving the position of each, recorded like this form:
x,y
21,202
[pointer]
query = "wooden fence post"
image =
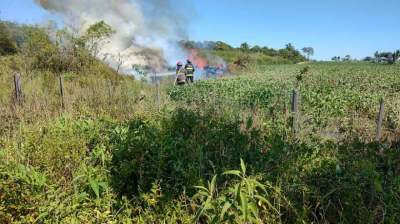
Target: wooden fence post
x,y
61,82
17,88
295,110
380,120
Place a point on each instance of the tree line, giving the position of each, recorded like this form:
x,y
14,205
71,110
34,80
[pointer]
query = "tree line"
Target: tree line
x,y
288,52
384,57
378,57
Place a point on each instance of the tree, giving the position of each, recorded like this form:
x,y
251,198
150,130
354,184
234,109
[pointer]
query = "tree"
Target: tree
x,y
41,50
221,46
207,44
376,55
95,36
269,51
244,46
256,48
386,57
309,51
7,45
290,53
397,55
290,47
347,58
369,59
188,44
392,58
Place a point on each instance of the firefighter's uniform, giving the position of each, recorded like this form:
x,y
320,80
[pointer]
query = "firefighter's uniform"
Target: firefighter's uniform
x,y
189,67
181,76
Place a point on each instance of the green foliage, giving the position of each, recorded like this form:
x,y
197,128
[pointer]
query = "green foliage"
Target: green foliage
x,y
245,201
309,51
221,46
257,55
256,49
54,50
244,46
21,192
7,45
386,57
188,44
289,182
354,88
95,36
44,53
99,31
301,75
254,59
181,151
242,61
290,52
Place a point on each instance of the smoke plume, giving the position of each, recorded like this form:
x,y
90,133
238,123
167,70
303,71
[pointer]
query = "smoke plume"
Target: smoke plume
x,y
146,31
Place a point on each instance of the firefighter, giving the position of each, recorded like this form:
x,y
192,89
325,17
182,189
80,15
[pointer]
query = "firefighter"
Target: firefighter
x,y
180,74
189,68
178,66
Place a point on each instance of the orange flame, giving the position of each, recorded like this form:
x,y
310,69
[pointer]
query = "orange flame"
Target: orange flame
x,y
197,60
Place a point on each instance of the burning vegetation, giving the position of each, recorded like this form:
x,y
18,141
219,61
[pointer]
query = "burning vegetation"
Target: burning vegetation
x,y
208,65
146,33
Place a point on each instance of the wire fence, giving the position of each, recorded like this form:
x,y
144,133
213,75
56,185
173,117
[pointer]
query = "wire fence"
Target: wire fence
x,y
295,103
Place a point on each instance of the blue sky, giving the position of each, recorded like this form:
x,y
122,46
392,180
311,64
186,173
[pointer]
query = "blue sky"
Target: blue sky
x,y
332,27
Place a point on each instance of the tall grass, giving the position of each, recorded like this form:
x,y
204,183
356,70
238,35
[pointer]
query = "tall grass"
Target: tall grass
x,y
219,151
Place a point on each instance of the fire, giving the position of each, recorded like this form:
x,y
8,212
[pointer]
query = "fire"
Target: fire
x,y
195,57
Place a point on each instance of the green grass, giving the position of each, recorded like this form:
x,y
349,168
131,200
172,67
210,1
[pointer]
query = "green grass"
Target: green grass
x,y
230,56
218,151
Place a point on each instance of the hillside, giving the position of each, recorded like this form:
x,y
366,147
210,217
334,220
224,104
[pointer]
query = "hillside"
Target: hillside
x,y
245,55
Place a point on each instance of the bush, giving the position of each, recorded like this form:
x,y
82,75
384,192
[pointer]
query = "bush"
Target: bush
x,y
46,55
246,201
94,170
221,46
21,193
181,151
7,45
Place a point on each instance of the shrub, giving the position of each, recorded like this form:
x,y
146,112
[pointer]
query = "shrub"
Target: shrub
x,y
244,201
7,45
21,193
180,151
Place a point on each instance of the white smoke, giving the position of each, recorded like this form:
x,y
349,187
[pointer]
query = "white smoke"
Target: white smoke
x,y
146,31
